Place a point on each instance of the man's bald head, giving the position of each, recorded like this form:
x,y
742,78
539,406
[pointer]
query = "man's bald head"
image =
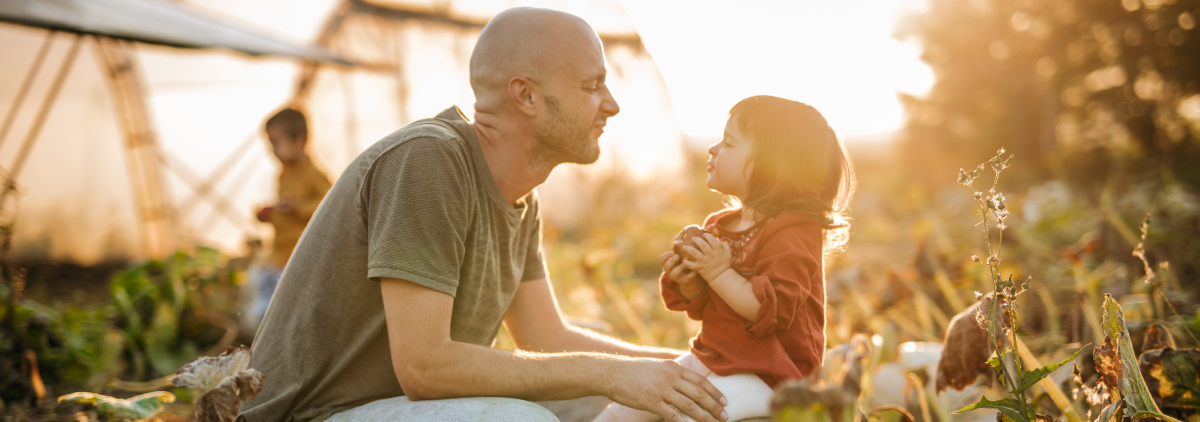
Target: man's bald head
x,y
537,44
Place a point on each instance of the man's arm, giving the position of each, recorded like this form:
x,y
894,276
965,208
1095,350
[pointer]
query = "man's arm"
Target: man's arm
x,y
536,324
429,365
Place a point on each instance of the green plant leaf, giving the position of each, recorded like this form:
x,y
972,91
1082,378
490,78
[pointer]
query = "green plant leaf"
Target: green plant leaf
x,y
1109,411
1118,364
997,363
1009,406
1028,379
137,407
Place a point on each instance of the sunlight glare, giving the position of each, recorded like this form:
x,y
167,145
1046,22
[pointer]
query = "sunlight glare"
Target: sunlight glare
x,y
840,57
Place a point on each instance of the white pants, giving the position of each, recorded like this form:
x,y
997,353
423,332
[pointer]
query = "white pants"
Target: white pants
x,y
748,395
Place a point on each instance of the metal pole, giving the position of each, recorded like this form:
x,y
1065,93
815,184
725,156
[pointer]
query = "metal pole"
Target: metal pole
x,y
308,70
205,188
29,78
158,219
43,112
219,203
210,219
350,113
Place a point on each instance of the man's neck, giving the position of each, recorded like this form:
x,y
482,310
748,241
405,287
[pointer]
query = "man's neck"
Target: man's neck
x,y
511,162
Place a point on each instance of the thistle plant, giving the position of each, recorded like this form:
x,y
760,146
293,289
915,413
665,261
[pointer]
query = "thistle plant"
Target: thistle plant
x,y
997,312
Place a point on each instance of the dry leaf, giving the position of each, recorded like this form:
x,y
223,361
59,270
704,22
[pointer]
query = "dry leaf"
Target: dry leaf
x,y
1173,377
205,373
1120,377
222,404
965,349
225,381
1157,337
834,389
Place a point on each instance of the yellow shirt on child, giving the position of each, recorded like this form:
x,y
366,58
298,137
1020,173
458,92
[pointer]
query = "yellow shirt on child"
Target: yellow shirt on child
x,y
303,184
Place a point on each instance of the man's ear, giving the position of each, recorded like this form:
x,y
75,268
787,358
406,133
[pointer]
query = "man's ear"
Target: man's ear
x,y
521,91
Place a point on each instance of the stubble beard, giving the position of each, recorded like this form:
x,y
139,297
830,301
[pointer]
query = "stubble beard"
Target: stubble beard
x,y
561,140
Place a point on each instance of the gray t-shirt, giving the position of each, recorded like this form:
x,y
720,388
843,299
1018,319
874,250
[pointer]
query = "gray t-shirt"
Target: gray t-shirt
x,y
419,205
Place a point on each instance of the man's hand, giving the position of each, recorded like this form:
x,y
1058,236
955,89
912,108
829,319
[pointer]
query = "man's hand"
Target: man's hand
x,y
709,257
690,284
666,389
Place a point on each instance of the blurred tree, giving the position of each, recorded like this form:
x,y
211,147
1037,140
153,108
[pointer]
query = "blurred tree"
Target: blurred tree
x,y
1103,95
1079,88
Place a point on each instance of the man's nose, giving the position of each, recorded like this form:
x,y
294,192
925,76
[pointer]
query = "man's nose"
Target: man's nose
x,y
609,106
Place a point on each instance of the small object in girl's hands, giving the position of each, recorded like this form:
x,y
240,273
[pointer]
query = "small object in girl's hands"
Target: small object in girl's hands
x,y
685,236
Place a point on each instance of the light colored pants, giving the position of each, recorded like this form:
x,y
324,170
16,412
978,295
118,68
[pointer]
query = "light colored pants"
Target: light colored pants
x,y
748,395
400,409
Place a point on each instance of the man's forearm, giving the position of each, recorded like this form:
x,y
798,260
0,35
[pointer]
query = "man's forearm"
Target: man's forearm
x,y
584,340
457,369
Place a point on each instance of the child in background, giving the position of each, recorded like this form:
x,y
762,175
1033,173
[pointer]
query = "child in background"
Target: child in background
x,y
755,279
301,188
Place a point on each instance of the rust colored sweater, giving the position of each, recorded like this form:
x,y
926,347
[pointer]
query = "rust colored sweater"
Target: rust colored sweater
x,y
781,257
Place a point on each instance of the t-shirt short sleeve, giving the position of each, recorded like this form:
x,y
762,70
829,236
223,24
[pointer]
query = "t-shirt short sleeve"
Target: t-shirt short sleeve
x,y
535,262
417,199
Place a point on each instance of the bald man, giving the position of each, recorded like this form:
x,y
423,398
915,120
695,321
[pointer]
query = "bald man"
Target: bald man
x,y
431,239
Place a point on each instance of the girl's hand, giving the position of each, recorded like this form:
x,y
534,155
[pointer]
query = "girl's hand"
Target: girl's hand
x,y
690,284
709,258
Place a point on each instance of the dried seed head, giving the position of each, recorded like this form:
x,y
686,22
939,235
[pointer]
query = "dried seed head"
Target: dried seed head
x,y
993,260
975,258
978,195
995,201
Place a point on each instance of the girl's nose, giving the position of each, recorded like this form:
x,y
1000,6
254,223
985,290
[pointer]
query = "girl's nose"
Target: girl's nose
x,y
712,149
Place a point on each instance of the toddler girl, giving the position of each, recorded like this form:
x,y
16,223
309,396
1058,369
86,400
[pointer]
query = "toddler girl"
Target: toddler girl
x,y
755,279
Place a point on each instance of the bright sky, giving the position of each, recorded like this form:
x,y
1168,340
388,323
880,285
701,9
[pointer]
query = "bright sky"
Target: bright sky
x,y
838,56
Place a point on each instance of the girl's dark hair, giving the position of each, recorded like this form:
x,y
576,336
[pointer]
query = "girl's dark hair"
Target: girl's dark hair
x,y
798,164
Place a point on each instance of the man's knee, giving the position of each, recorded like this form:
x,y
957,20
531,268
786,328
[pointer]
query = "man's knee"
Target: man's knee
x,y
506,409
499,409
